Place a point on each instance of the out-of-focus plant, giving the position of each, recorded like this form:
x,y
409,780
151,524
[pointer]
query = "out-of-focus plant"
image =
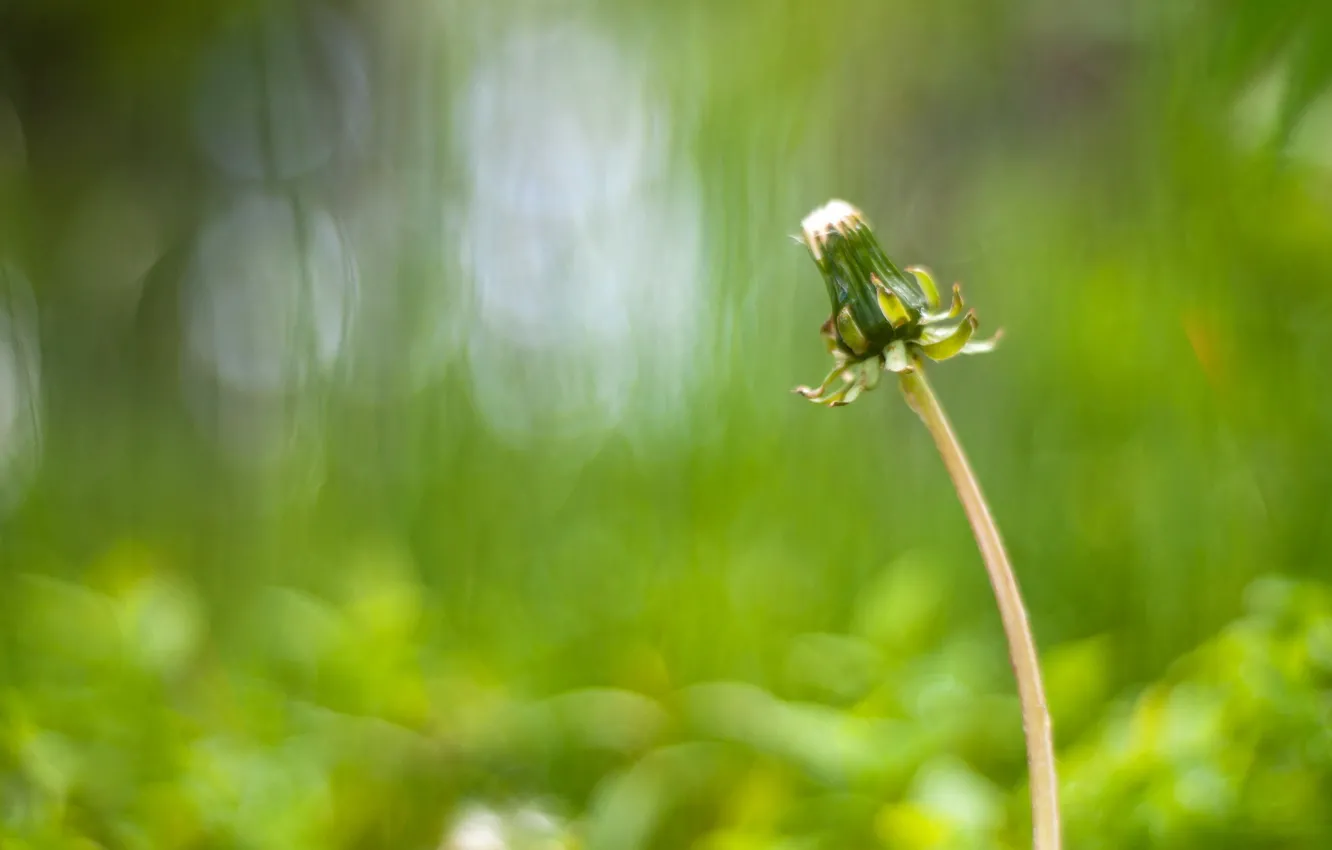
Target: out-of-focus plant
x,y
883,319
1231,748
119,728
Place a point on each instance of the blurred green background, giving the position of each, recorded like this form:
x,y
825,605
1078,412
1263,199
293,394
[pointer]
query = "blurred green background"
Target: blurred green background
x,y
396,446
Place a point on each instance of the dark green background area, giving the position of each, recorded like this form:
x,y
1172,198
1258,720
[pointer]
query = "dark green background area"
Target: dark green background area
x,y
750,622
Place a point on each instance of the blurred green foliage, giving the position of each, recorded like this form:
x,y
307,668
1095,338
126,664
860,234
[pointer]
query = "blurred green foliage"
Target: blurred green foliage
x,y
389,621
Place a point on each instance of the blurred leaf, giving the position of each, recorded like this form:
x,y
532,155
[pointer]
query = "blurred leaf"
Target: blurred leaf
x,y
1077,677
834,668
903,610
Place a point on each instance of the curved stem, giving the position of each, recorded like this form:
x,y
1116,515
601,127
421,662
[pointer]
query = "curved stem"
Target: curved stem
x,y
1021,644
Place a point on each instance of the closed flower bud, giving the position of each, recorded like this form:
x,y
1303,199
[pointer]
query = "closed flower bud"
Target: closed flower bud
x,y
883,318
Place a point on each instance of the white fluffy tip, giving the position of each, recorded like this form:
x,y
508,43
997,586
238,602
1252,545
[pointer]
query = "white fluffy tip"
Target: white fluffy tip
x,y
831,216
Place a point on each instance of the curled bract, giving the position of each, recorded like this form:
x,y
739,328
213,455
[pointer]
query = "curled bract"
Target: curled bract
x,y
883,318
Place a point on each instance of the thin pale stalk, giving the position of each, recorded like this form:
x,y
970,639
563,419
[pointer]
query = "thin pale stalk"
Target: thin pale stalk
x,y
1021,644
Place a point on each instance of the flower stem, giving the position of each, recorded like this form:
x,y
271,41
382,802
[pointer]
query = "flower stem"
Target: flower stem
x,y
1021,644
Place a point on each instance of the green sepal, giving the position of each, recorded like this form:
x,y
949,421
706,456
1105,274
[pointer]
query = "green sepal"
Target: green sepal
x,y
952,344
904,286
896,358
982,346
892,308
850,333
954,309
926,282
820,393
